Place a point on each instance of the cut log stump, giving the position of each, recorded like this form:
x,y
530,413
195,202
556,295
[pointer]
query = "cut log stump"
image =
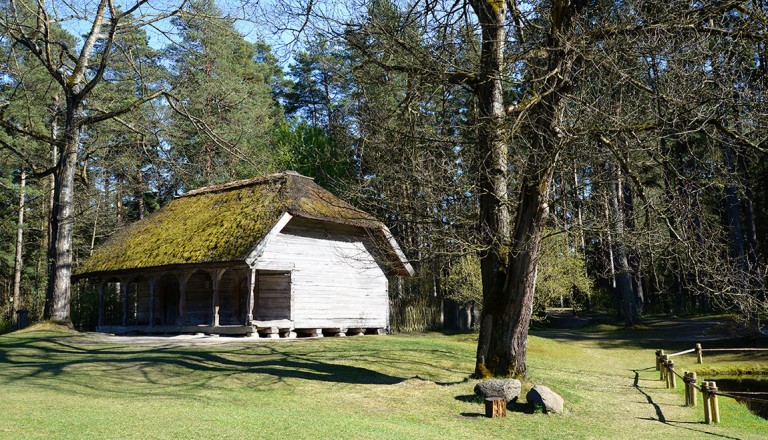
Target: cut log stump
x,y
495,407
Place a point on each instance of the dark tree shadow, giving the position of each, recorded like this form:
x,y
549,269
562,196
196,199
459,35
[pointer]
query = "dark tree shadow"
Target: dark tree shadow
x,y
54,357
660,415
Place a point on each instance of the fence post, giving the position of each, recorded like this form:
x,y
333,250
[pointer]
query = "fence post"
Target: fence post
x,y
699,354
663,369
705,398
713,405
672,376
687,382
693,389
659,353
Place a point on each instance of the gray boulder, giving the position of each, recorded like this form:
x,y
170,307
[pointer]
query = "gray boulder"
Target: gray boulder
x,y
543,396
509,389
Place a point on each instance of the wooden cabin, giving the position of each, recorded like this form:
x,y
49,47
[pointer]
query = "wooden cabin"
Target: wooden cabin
x,y
274,256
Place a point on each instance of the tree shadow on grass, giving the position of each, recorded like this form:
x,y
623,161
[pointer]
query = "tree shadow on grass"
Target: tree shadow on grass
x,y
666,333
660,415
62,361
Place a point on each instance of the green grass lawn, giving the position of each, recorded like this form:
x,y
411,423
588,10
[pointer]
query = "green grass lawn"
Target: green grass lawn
x,y
56,384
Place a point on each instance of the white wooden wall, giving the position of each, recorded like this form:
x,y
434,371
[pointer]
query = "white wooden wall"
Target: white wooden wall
x,y
335,280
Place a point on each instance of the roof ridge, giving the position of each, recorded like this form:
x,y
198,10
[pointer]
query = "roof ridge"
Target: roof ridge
x,y
244,182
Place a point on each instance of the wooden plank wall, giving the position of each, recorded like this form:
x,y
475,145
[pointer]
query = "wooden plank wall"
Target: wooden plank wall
x,y
336,281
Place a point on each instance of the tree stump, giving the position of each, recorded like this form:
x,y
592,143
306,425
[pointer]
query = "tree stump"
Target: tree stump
x,y
495,407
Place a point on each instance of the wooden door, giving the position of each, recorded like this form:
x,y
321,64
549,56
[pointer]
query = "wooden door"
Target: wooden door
x,y
273,296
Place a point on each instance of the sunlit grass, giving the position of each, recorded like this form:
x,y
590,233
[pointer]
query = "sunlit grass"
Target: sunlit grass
x,y
56,384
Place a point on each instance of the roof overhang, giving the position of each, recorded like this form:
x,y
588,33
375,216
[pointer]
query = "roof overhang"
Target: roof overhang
x,y
407,269
158,271
253,257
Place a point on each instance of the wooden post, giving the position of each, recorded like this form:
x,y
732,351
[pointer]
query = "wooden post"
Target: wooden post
x,y
124,292
662,369
183,280
659,353
705,398
699,354
694,399
102,288
672,375
249,300
216,281
152,286
495,407
687,382
714,407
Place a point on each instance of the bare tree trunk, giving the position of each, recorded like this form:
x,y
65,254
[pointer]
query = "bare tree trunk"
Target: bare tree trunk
x,y
51,235
19,247
511,310
732,209
634,256
118,201
580,225
608,247
140,203
749,211
64,209
624,286
508,310
494,214
96,216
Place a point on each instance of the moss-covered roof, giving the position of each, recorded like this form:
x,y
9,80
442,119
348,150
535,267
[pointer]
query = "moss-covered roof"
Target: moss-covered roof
x,y
220,223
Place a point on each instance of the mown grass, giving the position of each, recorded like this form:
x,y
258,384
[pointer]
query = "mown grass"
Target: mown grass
x,y
59,384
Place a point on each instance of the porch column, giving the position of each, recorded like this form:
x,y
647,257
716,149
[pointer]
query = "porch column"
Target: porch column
x,y
216,278
249,303
152,284
102,288
124,292
183,279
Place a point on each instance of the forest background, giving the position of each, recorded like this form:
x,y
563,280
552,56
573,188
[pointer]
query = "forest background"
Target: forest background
x,y
611,154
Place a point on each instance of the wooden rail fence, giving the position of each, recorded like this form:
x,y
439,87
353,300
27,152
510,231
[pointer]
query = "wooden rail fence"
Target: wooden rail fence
x,y
709,391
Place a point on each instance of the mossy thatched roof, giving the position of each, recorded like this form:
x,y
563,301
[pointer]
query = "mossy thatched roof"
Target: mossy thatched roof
x,y
221,223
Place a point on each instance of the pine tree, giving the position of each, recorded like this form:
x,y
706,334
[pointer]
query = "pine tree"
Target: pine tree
x,y
226,110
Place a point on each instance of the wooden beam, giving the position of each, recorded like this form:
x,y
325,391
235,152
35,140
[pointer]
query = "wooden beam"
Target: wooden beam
x,y
102,288
152,286
183,280
216,277
249,301
124,294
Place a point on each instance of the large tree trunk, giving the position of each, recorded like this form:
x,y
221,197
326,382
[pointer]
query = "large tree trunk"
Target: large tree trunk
x,y
507,311
510,311
624,286
494,214
59,284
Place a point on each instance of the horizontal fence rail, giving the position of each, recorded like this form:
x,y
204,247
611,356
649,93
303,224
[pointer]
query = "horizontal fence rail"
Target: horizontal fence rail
x,y
708,389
